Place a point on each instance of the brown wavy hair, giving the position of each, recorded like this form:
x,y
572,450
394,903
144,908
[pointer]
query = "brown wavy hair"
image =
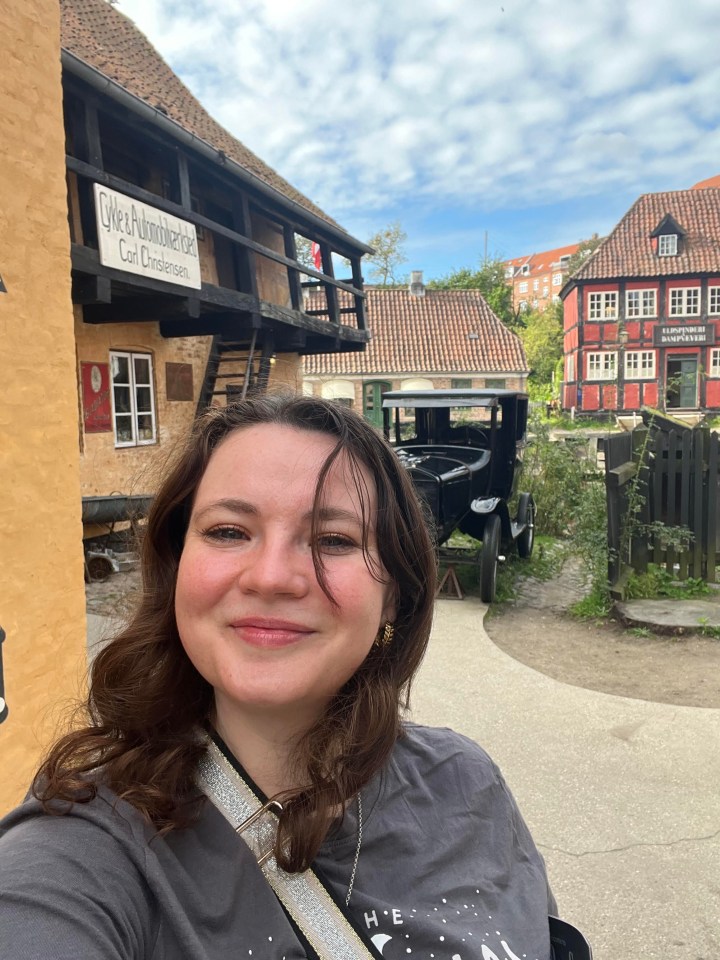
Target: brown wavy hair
x,y
147,701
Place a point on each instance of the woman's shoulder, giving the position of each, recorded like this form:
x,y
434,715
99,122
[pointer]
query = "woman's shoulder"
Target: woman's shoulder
x,y
106,829
445,760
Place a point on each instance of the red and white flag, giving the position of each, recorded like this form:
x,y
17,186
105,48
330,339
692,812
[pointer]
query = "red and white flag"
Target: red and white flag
x,y
316,255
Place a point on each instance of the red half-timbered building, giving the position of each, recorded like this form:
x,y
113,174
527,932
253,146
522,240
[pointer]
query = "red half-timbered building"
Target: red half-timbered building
x,y
642,315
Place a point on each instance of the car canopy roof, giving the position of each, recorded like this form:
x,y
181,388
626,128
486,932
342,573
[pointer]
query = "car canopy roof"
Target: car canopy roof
x,y
446,398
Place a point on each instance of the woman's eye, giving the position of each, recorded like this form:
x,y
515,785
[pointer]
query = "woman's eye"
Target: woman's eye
x,y
335,541
225,534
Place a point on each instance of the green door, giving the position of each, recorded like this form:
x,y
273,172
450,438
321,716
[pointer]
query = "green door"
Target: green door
x,y
372,401
681,383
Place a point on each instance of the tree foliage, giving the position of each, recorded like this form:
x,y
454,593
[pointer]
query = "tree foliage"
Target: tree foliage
x,y
542,337
584,250
388,256
490,280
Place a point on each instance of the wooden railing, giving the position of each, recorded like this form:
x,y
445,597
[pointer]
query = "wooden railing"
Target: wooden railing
x,y
663,499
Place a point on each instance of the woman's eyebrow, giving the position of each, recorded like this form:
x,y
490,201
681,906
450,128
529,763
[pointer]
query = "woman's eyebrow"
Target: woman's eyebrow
x,y
229,503
336,513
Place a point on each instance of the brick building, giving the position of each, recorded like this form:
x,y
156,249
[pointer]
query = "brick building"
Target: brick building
x,y
537,280
642,315
421,339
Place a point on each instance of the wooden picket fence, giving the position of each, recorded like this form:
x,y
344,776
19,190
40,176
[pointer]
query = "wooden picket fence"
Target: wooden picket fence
x,y
659,477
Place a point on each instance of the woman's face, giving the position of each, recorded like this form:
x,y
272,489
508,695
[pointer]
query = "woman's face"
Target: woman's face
x,y
250,611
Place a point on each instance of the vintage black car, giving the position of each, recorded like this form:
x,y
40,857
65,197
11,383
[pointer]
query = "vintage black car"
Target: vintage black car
x,y
463,450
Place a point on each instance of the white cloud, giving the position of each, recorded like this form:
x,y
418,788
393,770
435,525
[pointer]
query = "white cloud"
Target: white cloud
x,y
366,106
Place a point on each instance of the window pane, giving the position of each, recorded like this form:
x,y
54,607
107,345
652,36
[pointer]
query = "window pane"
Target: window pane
x,y
142,370
120,369
123,429
144,399
145,427
122,399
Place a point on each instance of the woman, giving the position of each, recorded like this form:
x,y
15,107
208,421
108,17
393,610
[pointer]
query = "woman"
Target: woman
x,y
289,581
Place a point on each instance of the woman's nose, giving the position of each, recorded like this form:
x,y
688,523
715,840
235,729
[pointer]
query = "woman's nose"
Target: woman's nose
x,y
276,567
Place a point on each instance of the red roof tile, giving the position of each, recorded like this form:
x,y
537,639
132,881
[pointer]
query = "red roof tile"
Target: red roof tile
x,y
106,39
628,250
710,182
544,262
432,334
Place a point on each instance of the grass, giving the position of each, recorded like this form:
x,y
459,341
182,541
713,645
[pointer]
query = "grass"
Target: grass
x,y
595,606
658,584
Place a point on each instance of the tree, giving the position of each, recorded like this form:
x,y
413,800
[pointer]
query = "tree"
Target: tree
x,y
388,255
583,252
542,338
490,280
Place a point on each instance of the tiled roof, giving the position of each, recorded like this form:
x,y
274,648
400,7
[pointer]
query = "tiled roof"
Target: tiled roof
x,y
628,251
106,39
543,262
428,334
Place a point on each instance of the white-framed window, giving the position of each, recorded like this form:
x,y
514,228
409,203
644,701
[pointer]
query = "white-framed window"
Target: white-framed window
x,y
523,305
546,291
603,306
557,279
667,245
602,365
525,269
133,399
640,365
523,287
570,367
536,284
714,301
684,301
640,303
714,362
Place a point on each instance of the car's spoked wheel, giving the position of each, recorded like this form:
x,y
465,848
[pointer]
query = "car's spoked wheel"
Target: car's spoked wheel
x,y
526,514
489,558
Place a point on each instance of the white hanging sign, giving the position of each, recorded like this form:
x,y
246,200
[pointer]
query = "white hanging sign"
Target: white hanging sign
x,y
140,239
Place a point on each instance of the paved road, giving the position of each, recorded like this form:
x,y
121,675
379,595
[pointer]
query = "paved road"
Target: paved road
x,y
622,796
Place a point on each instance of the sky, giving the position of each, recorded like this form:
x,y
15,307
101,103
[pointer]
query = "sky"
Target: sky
x,y
493,126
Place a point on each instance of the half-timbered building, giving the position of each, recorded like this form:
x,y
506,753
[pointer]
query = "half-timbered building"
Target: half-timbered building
x,y
642,315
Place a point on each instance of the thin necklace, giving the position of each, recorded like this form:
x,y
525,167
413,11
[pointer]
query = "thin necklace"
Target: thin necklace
x,y
357,851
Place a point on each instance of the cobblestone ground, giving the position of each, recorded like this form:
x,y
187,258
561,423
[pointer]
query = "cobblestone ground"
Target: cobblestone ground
x,y
115,596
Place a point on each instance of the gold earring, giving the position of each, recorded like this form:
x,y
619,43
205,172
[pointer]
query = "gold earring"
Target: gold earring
x,y
385,636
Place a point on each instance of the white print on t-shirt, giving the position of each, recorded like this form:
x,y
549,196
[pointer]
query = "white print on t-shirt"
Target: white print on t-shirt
x,y
454,924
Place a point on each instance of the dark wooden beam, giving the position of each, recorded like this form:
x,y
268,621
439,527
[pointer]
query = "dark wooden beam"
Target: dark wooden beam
x,y
141,309
88,172
89,289
86,260
293,275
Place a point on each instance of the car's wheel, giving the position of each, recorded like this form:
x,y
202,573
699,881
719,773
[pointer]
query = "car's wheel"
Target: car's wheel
x,y
98,568
526,514
489,558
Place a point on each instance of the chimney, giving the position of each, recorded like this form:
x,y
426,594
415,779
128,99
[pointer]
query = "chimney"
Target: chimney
x,y
417,287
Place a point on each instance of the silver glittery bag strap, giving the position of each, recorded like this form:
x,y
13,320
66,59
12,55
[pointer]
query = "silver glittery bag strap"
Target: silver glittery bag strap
x,y
303,896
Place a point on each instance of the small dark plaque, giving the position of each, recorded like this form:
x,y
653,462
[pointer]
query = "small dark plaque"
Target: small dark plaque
x,y
179,381
684,335
3,288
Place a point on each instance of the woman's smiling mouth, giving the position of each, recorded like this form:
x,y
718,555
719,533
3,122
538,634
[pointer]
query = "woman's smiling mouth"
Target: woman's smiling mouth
x,y
269,631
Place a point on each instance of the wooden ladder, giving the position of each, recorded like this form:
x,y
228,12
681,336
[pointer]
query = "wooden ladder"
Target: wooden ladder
x,y
244,369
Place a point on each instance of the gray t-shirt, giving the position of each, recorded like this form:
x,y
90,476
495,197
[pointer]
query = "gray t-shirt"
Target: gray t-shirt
x,y
447,870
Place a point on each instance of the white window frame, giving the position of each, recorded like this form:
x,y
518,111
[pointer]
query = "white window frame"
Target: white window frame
x,y
536,284
646,303
667,245
714,370
133,387
602,365
603,305
523,287
557,279
546,291
679,302
640,365
714,301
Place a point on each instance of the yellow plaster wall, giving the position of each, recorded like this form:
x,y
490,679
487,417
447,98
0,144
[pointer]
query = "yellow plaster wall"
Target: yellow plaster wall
x,y
41,574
